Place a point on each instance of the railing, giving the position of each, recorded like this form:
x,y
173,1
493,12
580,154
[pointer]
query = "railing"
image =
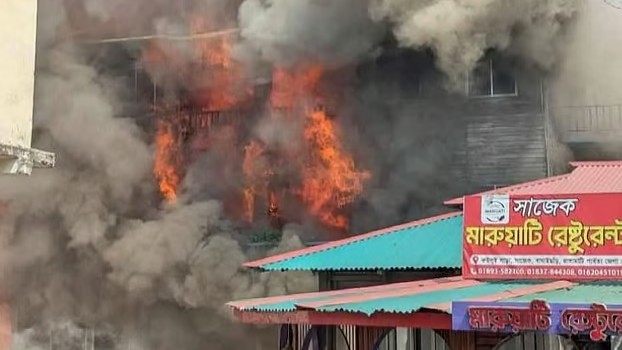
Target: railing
x,y
597,119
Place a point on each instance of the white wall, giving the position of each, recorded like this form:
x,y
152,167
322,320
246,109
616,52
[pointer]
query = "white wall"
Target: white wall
x,y
18,21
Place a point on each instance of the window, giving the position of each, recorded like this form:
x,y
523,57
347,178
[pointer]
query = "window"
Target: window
x,y
491,78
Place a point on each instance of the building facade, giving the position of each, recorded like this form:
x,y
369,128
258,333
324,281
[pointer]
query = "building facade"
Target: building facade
x,y
383,313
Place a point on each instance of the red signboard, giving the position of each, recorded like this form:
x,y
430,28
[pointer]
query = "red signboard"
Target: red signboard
x,y
570,237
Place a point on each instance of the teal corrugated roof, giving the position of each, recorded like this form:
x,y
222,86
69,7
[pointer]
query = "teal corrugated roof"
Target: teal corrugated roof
x,y
436,294
408,297
426,244
289,305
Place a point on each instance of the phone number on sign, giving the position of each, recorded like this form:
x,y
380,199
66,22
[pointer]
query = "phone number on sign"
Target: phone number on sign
x,y
549,271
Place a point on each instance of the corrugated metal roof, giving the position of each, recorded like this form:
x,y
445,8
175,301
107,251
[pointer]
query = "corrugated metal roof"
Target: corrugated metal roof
x,y
406,297
587,177
289,303
607,293
425,244
430,300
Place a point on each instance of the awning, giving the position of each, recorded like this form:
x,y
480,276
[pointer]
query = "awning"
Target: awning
x,y
432,243
424,304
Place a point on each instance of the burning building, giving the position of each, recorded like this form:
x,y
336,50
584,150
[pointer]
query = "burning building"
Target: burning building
x,y
274,139
190,130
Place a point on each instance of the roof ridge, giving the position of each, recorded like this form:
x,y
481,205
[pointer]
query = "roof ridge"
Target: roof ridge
x,y
350,240
604,163
510,188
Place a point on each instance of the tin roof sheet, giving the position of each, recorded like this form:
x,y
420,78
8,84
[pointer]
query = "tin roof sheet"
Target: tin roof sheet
x,y
430,300
607,293
587,177
424,244
409,297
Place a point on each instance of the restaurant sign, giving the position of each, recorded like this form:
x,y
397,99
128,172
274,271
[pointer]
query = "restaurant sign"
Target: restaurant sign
x,y
597,321
570,237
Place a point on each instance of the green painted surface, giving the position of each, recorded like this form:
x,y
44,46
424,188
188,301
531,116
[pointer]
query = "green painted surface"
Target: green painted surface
x,y
434,245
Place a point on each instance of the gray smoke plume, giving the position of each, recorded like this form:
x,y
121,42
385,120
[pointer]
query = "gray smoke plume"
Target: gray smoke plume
x,y
84,246
288,32
460,31
88,246
589,73
586,87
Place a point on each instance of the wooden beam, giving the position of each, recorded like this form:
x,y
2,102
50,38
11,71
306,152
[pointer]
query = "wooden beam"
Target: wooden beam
x,y
429,320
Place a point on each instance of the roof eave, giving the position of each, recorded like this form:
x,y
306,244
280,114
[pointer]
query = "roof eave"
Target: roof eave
x,y
259,264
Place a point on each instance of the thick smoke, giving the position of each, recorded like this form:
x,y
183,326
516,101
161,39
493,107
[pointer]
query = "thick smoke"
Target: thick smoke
x,y
410,153
83,245
86,245
287,32
461,31
589,74
587,85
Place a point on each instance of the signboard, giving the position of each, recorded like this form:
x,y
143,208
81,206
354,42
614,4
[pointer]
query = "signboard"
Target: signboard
x,y
597,320
569,237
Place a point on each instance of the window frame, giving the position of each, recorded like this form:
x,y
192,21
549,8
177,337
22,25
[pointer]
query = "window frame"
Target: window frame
x,y
491,80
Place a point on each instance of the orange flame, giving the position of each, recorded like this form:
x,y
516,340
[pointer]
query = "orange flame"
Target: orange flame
x,y
293,88
254,179
216,82
330,180
224,85
165,166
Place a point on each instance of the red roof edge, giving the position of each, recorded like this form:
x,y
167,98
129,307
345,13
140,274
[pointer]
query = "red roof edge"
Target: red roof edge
x,y
257,264
241,304
576,164
596,164
517,292
458,201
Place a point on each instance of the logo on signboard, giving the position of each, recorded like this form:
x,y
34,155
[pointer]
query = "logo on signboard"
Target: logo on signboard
x,y
495,209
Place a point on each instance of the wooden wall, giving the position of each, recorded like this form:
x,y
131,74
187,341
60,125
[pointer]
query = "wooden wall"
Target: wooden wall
x,y
505,138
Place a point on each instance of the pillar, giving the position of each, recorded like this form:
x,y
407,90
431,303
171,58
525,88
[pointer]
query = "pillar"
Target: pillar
x,y
18,42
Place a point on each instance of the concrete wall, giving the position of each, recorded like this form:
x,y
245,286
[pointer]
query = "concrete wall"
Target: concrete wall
x,y
18,22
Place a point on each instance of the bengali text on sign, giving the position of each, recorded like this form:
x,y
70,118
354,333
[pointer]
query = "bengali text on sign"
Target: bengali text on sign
x,y
535,237
598,321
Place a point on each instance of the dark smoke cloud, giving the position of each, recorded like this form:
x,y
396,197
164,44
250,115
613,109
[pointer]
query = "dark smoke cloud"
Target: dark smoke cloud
x,y
287,32
85,246
459,32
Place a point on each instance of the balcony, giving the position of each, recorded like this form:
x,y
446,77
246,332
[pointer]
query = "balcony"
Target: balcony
x,y
589,124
